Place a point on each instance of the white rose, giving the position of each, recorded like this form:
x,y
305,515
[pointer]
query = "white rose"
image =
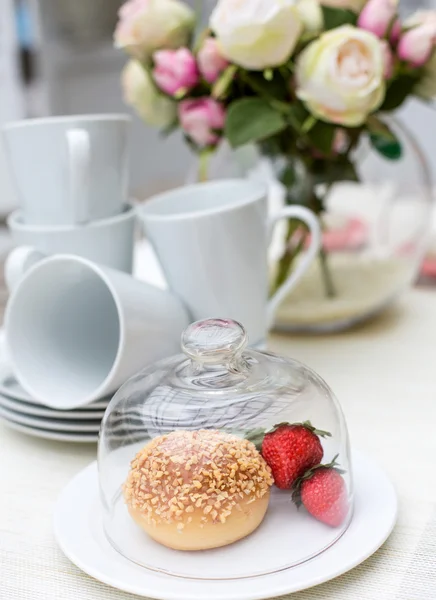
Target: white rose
x,y
141,93
310,14
256,34
340,76
355,5
148,25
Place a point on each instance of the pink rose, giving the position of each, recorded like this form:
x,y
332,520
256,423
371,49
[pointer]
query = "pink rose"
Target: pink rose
x,y
378,16
349,235
175,70
210,60
418,41
343,233
201,118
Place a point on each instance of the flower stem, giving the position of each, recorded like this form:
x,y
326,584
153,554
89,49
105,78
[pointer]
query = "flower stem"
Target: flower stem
x,y
203,164
317,204
285,263
326,275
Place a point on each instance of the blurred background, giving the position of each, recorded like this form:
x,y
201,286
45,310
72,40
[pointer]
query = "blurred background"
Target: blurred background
x,y
57,57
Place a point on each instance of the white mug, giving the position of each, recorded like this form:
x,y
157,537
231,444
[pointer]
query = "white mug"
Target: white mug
x,y
76,331
69,170
212,242
108,242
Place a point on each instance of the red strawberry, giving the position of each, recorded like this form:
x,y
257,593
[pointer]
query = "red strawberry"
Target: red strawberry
x,y
323,493
290,450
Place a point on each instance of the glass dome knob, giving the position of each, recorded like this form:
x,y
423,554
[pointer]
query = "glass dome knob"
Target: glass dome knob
x,y
214,340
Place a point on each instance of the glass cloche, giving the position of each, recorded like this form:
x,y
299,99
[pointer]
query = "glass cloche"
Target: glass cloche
x,y
179,469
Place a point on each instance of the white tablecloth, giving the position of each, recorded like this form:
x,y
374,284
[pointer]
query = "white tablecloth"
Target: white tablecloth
x,y
385,377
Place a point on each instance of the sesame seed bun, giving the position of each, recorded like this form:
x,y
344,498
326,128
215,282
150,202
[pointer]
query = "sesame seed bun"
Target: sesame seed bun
x,y
195,490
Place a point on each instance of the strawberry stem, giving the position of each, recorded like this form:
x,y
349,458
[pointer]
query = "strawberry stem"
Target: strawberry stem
x,y
307,425
319,432
257,435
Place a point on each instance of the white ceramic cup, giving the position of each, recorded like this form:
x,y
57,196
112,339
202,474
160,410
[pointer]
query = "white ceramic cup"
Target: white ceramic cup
x,y
212,242
108,242
76,330
69,170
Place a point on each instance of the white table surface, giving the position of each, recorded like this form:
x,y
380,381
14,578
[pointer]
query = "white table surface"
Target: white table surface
x,y
385,377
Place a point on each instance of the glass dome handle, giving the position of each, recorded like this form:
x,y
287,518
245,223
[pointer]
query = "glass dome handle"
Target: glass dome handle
x,y
214,340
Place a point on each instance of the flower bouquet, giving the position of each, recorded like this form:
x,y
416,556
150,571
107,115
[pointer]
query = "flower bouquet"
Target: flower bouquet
x,y
309,82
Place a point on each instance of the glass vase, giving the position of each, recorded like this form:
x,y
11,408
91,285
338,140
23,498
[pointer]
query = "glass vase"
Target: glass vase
x,y
375,223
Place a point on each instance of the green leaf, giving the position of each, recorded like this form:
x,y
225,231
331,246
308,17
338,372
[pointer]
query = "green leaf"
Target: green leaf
x,y
309,124
223,83
277,87
251,120
288,176
336,17
398,91
297,116
347,172
383,139
389,149
322,136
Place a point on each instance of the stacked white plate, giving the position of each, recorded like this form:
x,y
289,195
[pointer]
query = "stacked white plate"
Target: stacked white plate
x,y
21,412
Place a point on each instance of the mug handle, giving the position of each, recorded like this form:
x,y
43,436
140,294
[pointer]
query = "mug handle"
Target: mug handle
x,y
18,262
312,222
79,153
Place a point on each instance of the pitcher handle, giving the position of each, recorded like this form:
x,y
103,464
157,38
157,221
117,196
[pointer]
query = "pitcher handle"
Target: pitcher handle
x,y
79,153
18,262
312,222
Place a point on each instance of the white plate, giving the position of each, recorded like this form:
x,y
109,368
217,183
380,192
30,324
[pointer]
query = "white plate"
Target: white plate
x,y
40,411
10,387
50,424
85,438
79,533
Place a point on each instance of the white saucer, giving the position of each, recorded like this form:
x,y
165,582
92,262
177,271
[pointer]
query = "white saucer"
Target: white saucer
x,y
50,424
10,388
79,532
26,408
78,438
